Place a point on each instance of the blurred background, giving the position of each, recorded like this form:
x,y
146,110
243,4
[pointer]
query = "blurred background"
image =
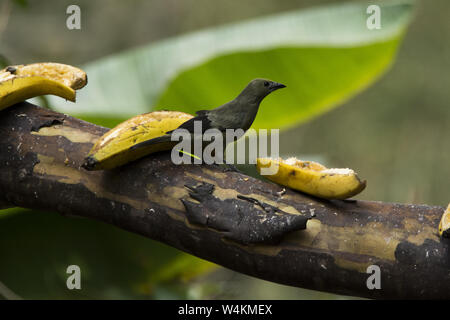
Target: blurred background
x,y
395,134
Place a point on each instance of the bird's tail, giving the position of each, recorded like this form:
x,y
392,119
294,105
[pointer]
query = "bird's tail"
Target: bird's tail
x,y
161,139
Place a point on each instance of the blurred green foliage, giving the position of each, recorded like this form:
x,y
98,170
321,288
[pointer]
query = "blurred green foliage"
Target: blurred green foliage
x,y
21,3
4,62
37,247
301,49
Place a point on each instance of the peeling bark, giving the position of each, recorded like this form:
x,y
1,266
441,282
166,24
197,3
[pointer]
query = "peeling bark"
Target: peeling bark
x,y
40,157
240,221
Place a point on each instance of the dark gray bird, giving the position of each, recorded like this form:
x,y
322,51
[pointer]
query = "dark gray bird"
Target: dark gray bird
x,y
239,113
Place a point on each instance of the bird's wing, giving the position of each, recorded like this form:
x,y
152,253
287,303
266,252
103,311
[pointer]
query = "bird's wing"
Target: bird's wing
x,y
189,125
161,139
202,112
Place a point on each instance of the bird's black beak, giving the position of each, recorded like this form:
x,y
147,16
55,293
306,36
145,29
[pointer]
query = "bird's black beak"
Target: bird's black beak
x,y
275,86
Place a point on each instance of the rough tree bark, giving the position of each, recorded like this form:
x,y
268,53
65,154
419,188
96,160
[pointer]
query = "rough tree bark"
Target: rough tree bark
x,y
40,156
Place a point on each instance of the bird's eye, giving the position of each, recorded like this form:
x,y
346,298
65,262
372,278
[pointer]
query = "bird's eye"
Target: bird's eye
x,y
266,83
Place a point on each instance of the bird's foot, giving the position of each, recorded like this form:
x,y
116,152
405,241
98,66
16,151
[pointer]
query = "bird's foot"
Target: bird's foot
x,y
232,168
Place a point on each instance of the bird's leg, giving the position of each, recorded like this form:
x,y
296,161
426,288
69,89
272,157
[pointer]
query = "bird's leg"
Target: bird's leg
x,y
232,168
229,167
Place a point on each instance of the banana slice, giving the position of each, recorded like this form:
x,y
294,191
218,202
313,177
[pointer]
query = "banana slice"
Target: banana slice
x,y
22,82
444,225
113,148
313,178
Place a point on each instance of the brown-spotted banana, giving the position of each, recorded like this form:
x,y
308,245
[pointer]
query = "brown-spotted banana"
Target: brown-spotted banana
x,y
22,82
312,178
113,149
444,225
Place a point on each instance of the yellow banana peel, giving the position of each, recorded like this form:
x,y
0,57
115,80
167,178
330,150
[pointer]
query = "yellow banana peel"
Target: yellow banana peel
x,y
444,225
313,178
22,82
113,148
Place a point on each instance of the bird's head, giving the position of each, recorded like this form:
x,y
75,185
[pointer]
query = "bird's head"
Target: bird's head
x,y
257,89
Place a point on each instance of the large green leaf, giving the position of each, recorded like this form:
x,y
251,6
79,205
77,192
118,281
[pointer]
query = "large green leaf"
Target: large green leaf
x,y
323,55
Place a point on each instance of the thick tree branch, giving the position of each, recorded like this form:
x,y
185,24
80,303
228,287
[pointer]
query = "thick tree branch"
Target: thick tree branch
x,y
40,156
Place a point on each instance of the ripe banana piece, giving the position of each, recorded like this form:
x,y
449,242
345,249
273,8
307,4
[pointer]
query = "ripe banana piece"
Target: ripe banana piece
x,y
444,225
113,148
22,82
313,178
